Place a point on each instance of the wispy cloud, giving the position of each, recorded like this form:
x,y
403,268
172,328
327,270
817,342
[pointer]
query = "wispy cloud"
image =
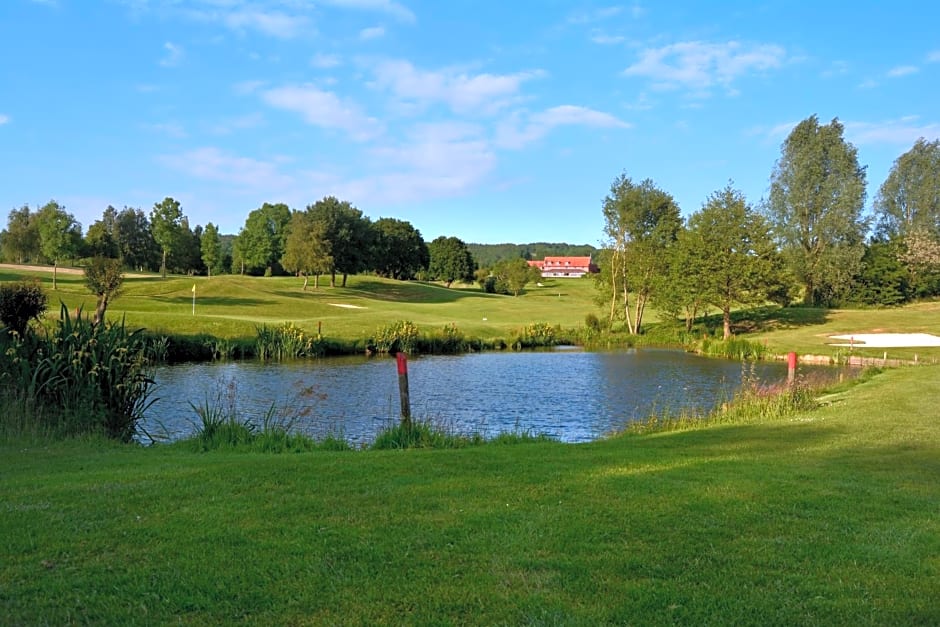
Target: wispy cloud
x,y
394,9
326,61
604,39
901,131
595,15
933,56
521,131
868,83
273,23
902,70
4,119
211,163
173,55
700,66
374,32
462,92
171,129
324,109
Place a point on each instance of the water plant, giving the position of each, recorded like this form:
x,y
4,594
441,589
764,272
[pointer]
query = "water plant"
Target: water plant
x,y
398,337
287,341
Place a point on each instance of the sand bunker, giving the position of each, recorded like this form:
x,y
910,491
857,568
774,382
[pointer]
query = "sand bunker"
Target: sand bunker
x,y
886,340
344,306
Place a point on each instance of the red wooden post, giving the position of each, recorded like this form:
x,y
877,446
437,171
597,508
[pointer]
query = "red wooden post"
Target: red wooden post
x,y
402,359
791,367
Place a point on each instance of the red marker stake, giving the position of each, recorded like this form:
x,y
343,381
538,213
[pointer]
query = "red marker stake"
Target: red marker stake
x,y
402,359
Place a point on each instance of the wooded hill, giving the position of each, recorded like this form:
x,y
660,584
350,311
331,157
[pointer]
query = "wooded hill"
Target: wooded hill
x,y
487,255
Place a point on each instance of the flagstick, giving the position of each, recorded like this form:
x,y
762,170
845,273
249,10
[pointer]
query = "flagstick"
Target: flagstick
x,y
194,299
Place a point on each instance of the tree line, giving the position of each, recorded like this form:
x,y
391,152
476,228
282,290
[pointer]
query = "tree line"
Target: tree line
x,y
330,237
810,240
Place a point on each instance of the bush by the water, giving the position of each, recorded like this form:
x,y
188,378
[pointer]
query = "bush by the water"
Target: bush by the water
x,y
287,342
77,378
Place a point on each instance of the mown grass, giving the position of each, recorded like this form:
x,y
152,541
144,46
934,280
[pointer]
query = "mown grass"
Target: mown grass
x,y
827,516
231,307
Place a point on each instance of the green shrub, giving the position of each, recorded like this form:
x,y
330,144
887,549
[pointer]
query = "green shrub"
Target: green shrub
x,y
21,302
287,342
536,335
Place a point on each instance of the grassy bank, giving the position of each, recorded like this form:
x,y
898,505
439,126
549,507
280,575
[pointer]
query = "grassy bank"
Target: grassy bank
x,y
827,517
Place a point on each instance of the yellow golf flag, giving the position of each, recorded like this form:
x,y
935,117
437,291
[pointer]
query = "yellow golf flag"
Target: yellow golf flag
x,y
194,288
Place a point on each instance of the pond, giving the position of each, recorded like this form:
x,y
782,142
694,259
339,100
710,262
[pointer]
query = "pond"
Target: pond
x,y
569,394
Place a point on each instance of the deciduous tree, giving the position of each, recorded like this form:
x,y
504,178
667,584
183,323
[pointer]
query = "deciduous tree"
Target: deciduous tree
x,y
104,278
165,220
450,260
641,222
261,240
399,250
59,234
909,199
20,240
307,251
349,234
817,193
136,247
211,245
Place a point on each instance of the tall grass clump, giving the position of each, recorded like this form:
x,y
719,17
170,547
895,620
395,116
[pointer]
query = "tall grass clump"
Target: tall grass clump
x,y
421,434
399,337
754,402
535,335
287,342
732,348
79,378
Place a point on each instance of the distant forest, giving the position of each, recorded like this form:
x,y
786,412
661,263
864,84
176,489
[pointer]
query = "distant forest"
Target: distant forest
x,y
488,255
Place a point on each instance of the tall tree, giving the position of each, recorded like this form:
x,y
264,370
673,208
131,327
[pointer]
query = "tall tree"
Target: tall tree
x,y
165,220
817,192
512,275
307,251
399,251
450,260
136,247
349,234
59,234
100,236
20,240
211,248
641,222
261,240
736,259
909,199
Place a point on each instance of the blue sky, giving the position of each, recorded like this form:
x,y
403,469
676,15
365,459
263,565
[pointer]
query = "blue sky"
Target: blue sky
x,y
493,121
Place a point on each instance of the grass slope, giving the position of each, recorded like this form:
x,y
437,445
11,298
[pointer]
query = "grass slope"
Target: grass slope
x,y
832,517
233,306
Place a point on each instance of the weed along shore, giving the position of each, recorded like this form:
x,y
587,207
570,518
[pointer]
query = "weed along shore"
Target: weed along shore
x,y
803,503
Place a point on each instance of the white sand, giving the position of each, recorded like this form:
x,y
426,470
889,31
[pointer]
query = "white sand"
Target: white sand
x,y
344,306
887,340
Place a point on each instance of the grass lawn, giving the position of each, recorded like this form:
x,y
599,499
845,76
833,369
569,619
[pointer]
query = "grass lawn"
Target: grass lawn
x,y
233,306
831,517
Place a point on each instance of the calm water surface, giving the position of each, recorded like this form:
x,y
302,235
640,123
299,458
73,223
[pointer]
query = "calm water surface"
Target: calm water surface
x,y
572,395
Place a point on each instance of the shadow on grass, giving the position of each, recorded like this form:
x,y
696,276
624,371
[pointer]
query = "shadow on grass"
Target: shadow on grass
x,y
411,292
771,318
222,301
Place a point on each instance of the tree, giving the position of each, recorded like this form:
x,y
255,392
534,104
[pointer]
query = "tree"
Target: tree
x,y
909,199
399,251
59,234
261,239
186,257
104,278
136,247
450,260
512,275
641,222
211,248
20,240
165,220
817,193
100,236
349,233
307,251
732,252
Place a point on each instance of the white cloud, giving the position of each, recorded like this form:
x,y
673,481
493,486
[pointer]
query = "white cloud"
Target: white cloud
x,y
868,83
325,61
462,92
231,124
514,134
375,32
933,56
171,129
604,39
247,87
324,109
273,23
699,65
174,54
902,131
395,9
4,119
902,70
597,15
212,164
